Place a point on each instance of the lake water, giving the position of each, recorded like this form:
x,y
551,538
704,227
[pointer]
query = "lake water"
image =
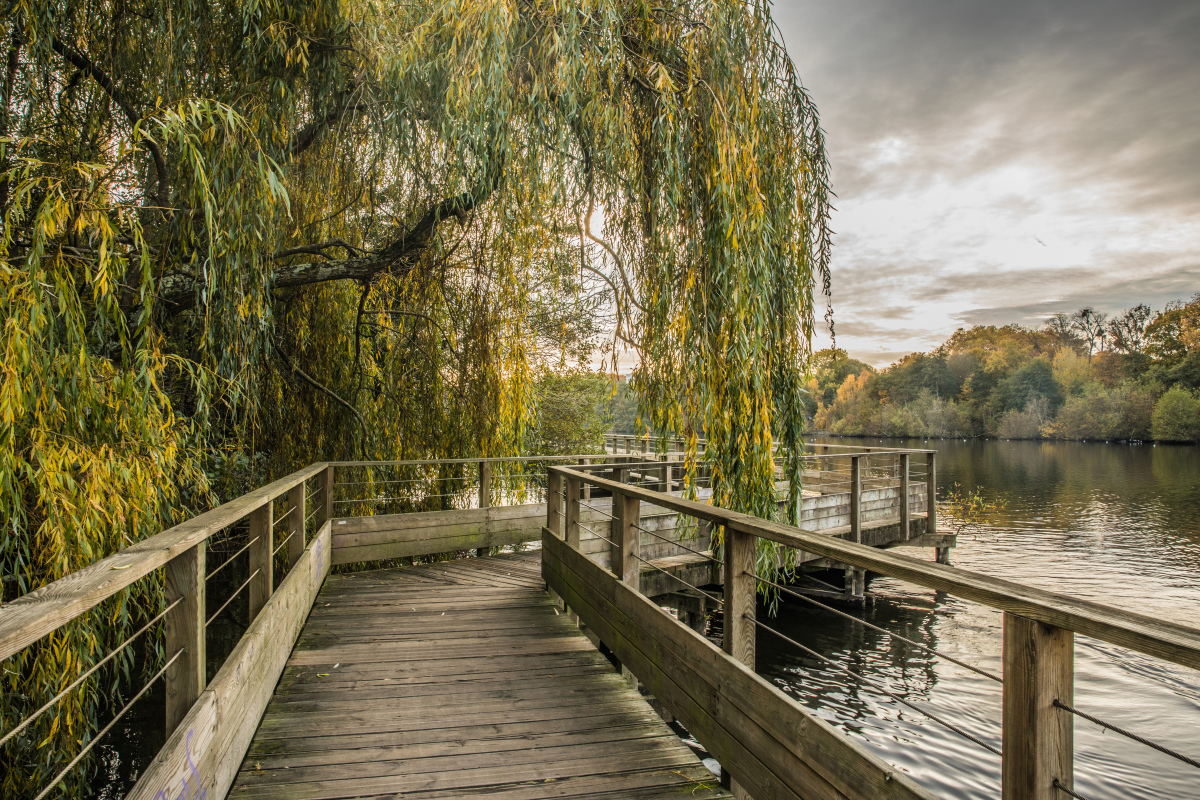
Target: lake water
x,y
1114,523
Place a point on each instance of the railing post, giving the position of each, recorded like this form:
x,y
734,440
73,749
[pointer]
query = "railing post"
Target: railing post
x,y
587,487
624,563
297,511
485,484
1038,738
573,529
554,498
905,511
856,579
942,553
739,627
260,551
184,629
627,513
325,490
485,497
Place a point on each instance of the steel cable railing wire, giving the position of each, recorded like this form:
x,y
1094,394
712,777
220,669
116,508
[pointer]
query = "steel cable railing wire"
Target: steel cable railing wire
x,y
864,623
108,727
226,562
281,544
879,688
652,565
1058,785
1140,739
407,480
29,719
950,726
236,592
792,593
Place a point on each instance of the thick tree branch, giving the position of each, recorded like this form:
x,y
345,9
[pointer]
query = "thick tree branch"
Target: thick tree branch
x,y
178,291
82,62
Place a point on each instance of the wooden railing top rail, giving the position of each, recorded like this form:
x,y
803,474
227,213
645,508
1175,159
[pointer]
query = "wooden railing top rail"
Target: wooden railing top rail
x,y
1169,641
37,613
436,461
702,442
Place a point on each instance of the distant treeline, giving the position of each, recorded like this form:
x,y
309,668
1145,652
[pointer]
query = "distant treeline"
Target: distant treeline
x,y
1080,376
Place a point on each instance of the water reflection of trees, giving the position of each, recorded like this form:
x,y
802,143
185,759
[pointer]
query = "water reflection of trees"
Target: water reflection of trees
x,y
903,669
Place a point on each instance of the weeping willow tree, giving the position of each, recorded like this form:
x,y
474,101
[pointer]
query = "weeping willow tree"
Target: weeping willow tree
x,y
239,236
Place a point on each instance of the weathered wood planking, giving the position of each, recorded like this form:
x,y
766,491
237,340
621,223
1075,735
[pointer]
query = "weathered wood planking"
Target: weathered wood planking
x,y
457,679
202,755
32,616
774,747
358,539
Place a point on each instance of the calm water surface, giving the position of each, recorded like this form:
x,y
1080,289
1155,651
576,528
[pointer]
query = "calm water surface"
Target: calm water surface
x,y
1114,523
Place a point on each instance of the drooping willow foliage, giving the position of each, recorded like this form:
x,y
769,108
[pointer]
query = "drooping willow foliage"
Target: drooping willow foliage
x,y
241,236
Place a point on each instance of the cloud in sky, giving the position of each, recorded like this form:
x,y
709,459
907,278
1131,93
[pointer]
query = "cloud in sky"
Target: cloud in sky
x,y
997,162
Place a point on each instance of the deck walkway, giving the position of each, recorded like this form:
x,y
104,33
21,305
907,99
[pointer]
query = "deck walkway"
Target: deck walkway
x,y
459,679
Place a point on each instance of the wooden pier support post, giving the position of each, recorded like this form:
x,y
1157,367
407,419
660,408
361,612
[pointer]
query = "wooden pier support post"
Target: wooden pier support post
x,y
627,516
1038,738
587,487
297,501
485,496
856,579
184,629
260,552
905,509
739,634
942,553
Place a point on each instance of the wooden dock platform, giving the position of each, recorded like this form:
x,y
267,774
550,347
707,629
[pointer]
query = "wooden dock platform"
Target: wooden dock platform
x,y
458,679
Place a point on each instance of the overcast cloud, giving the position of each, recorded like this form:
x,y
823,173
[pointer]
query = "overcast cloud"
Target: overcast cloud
x,y
998,162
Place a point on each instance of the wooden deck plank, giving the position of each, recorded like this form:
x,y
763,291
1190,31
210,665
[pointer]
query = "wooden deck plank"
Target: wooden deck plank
x,y
458,679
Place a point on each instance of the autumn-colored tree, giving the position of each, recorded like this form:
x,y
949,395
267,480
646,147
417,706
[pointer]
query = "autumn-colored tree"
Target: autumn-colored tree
x,y
238,237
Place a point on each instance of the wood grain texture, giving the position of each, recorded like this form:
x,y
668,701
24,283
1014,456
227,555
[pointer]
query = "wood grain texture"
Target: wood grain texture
x,y
183,629
1038,738
457,679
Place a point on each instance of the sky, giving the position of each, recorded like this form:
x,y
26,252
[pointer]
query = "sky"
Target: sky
x,y
998,162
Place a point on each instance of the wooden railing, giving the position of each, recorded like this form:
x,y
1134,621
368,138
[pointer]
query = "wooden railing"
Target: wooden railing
x,y
289,532
774,747
209,723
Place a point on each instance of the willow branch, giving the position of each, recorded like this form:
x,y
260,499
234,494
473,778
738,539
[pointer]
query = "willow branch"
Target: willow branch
x,y
313,382
82,62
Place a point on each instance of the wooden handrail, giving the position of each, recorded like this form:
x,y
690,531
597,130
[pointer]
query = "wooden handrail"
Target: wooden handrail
x,y
1166,640
37,613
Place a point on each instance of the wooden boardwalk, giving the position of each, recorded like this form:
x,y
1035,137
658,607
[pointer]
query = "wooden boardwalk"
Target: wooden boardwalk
x,y
459,679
